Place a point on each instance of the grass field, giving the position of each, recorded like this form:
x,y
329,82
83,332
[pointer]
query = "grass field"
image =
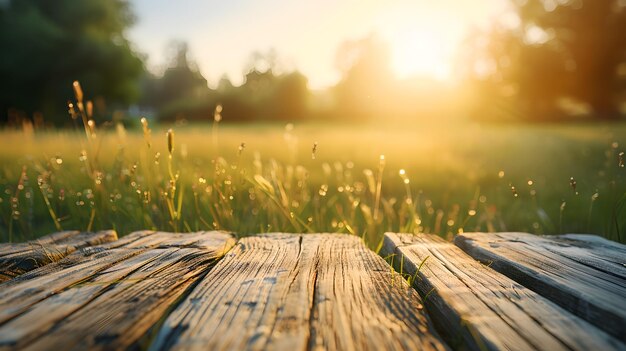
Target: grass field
x,y
438,178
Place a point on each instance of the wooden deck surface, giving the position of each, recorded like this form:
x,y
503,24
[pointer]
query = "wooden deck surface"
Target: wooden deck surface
x,y
584,274
483,309
108,297
205,290
300,292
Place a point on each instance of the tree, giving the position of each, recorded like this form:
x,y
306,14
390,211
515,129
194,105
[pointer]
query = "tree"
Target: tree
x,y
48,44
569,48
182,91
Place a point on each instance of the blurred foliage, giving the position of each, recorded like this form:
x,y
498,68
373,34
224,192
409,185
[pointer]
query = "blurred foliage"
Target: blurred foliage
x,y
542,60
182,93
48,44
549,56
181,89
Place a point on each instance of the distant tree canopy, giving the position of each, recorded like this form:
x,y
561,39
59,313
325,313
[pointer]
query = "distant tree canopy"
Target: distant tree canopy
x,y
182,92
181,89
550,50
48,44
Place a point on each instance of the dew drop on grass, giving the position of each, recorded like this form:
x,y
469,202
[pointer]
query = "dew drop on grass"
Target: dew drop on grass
x,y
572,183
501,174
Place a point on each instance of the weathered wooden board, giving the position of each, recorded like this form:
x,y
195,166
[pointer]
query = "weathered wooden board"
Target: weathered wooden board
x,y
582,273
16,259
299,292
105,297
478,308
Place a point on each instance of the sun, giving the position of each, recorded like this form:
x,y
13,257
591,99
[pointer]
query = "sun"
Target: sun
x,y
419,53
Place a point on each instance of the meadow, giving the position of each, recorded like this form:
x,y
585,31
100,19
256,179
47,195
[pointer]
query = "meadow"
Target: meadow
x,y
362,179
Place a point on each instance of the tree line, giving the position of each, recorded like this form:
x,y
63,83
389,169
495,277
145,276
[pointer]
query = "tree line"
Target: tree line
x,y
545,60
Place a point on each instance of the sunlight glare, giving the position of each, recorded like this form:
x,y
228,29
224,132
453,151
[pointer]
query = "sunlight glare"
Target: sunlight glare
x,y
419,52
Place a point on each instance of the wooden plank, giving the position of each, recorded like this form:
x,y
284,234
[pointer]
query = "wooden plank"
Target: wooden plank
x,y
133,240
299,292
478,308
583,274
8,248
106,299
16,259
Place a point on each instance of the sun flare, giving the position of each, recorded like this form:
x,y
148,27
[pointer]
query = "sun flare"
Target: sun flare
x,y
419,52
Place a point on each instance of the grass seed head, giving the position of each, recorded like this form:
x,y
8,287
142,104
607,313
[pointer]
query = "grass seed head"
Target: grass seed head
x,y
170,141
89,109
78,91
92,127
217,115
71,110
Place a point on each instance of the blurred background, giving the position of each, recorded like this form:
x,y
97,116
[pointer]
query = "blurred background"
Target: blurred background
x,y
277,60
354,116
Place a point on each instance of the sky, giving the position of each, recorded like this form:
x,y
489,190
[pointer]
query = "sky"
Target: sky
x,y
422,34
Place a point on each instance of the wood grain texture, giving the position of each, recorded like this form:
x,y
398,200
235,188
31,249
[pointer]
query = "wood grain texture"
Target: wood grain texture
x,y
299,292
108,296
16,259
478,308
584,274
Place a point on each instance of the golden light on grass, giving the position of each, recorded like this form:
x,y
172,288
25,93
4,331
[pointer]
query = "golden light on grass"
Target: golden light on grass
x,y
279,188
